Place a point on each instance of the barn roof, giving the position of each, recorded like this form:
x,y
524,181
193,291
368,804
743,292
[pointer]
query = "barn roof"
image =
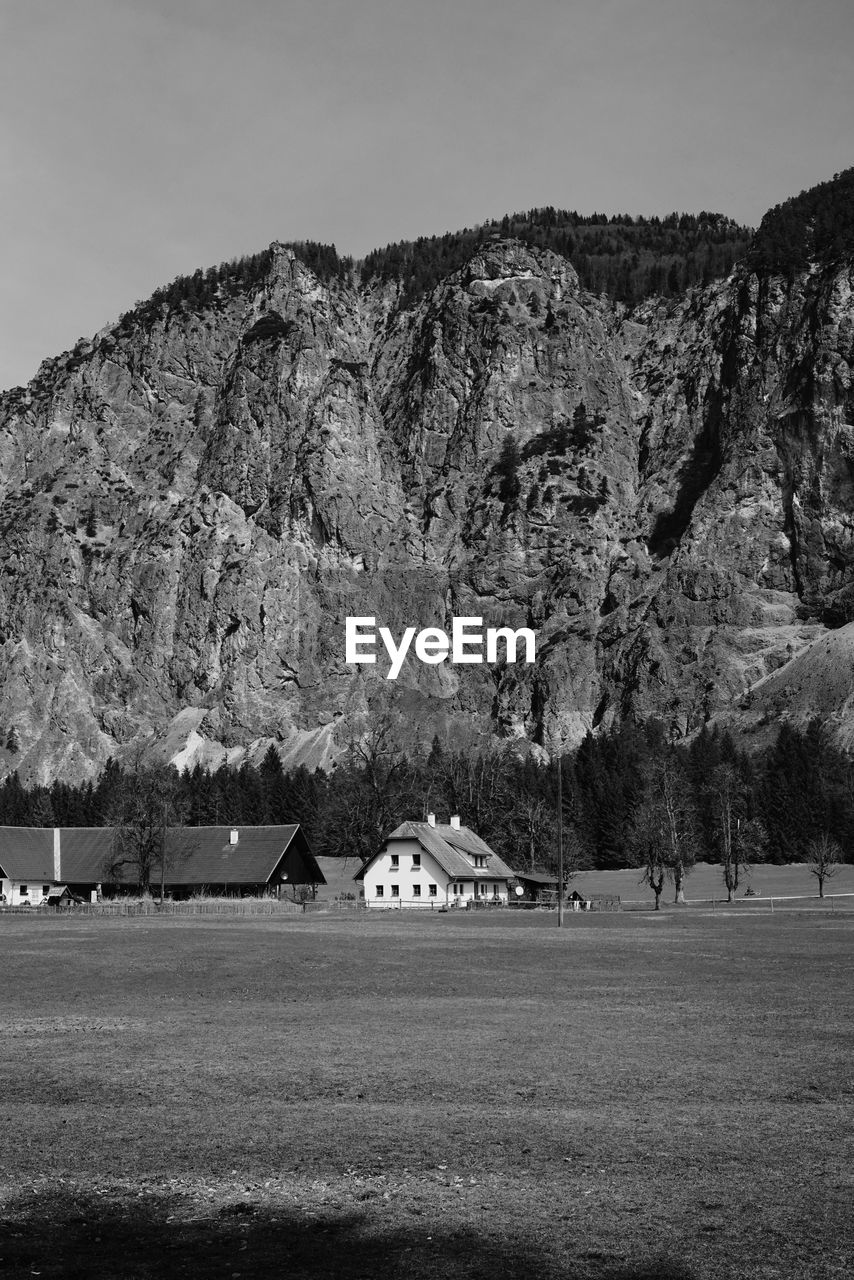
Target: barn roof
x,y
452,848
542,878
205,855
26,853
84,853
195,855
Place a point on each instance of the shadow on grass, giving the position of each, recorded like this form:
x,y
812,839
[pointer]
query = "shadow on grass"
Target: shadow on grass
x,y
79,1237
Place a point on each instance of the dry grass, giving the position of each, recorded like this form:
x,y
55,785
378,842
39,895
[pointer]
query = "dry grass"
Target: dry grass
x,y
424,1096
705,883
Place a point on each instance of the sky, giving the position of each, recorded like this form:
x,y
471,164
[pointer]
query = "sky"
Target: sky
x,y
140,139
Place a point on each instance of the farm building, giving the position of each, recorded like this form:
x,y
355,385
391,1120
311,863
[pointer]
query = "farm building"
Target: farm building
x,y
541,887
60,896
423,864
29,864
538,886
217,860
239,860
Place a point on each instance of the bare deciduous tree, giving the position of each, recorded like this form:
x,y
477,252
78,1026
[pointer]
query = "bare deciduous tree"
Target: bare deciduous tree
x,y
825,856
473,781
533,820
738,839
679,826
374,790
662,834
145,805
646,845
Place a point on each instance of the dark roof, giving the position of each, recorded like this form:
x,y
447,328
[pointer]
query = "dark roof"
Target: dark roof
x,y
195,855
541,878
26,853
205,855
452,848
84,853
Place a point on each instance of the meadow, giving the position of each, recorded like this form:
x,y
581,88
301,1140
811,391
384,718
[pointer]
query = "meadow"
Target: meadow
x,y
424,1095
704,883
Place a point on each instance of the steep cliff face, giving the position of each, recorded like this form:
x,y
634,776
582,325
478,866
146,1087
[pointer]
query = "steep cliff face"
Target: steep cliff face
x,y
191,506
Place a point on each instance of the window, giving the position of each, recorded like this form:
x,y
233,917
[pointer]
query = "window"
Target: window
x,y
395,890
432,891
416,860
379,891
479,860
481,888
23,889
395,861
45,889
416,891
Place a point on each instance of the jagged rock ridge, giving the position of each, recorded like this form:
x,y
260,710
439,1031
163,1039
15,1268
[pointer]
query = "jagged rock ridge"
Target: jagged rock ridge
x,y
192,504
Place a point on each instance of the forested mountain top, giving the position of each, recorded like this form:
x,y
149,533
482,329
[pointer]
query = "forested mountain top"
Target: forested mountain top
x,y
815,226
204,289
629,258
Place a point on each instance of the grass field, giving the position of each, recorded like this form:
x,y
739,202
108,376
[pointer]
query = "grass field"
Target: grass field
x,y
704,882
423,1095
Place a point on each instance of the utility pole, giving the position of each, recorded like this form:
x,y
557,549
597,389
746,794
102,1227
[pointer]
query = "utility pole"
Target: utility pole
x,y
163,859
559,843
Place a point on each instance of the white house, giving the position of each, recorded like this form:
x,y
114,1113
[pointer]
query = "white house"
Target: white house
x,y
423,864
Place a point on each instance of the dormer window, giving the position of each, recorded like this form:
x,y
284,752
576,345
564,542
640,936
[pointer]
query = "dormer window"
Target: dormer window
x,y
479,860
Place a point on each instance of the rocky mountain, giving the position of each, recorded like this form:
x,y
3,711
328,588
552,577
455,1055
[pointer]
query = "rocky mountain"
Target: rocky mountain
x,y
192,502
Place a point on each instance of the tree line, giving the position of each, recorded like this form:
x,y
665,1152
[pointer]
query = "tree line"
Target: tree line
x,y
628,258
625,257
631,798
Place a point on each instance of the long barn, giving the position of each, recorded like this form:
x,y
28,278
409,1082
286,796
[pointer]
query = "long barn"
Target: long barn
x,y
214,860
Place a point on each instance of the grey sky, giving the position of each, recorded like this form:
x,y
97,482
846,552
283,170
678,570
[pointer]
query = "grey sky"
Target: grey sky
x,y
140,138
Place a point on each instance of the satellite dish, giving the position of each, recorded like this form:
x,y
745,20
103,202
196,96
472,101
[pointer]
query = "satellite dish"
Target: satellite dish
x,y
519,891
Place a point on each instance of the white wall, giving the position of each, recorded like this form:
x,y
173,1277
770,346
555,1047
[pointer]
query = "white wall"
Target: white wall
x,y
35,892
405,878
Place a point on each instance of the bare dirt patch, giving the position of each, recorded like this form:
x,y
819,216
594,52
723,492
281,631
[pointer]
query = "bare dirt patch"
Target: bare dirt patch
x,y
62,1025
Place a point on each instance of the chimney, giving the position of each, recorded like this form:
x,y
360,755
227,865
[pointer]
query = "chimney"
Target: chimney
x,y
431,819
57,863
455,822
235,835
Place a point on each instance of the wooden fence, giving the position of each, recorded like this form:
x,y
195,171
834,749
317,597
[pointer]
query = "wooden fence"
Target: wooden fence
x,y
125,907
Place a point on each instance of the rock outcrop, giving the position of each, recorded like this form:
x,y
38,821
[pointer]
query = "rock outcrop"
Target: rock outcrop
x,y
192,504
